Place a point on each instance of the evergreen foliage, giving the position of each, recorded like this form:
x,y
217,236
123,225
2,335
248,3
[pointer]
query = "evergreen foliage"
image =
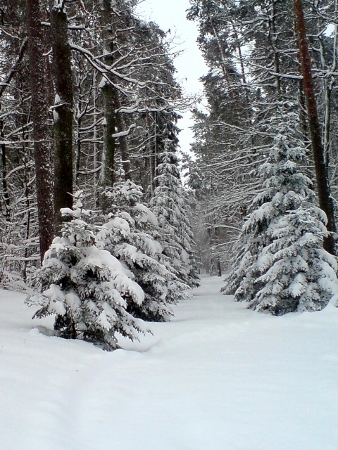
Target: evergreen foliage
x,y
122,99
169,206
282,266
85,287
296,272
130,234
254,40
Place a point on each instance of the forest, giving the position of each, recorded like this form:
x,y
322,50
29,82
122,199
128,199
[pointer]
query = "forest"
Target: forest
x,y
105,223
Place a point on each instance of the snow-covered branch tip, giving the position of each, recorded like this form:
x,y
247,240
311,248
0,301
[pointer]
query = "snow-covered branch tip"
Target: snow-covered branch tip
x,y
59,4
125,132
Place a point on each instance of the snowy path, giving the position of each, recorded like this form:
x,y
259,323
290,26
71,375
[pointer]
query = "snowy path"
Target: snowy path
x,y
218,377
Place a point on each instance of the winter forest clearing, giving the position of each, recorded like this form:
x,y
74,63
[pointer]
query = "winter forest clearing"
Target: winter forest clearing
x,y
107,218
218,376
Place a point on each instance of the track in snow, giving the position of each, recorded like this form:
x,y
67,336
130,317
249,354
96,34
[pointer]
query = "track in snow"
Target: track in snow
x,y
217,377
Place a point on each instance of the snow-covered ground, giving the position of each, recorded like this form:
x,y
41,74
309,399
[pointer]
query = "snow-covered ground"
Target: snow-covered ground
x,y
218,377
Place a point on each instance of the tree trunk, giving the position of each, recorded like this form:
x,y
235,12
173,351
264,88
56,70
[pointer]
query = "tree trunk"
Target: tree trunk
x,y
323,188
108,169
63,112
4,173
44,189
108,94
123,142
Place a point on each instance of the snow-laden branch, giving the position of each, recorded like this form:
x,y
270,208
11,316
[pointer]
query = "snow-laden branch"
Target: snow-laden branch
x,y
105,70
125,132
12,72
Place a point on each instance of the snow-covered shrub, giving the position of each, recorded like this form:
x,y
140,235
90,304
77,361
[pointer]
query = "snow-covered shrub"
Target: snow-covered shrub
x,y
282,266
130,234
85,287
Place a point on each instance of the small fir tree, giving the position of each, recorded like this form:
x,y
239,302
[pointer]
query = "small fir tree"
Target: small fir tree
x,y
130,234
85,287
282,266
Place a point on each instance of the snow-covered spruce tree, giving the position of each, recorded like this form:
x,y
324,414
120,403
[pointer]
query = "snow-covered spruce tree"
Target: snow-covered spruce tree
x,y
170,207
297,273
130,234
85,287
282,266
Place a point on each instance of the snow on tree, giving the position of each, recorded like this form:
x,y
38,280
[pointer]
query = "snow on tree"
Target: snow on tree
x,y
170,208
297,273
86,287
130,234
282,266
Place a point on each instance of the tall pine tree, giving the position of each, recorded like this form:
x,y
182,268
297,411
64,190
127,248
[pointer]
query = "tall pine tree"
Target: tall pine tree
x,y
168,204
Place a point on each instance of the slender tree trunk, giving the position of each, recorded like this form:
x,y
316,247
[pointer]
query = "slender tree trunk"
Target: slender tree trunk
x,y
44,187
108,169
272,39
77,152
95,146
63,112
123,142
219,267
108,95
28,209
4,173
303,113
329,84
327,119
323,188
113,120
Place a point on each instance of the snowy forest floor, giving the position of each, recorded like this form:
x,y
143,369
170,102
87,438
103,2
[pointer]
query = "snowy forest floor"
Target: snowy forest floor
x,y
217,377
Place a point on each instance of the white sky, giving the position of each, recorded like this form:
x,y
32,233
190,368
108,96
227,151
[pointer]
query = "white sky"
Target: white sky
x,y
171,14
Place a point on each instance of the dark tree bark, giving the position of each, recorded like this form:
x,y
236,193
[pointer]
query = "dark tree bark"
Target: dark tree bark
x,y
63,112
323,188
4,173
108,94
108,175
44,186
123,143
